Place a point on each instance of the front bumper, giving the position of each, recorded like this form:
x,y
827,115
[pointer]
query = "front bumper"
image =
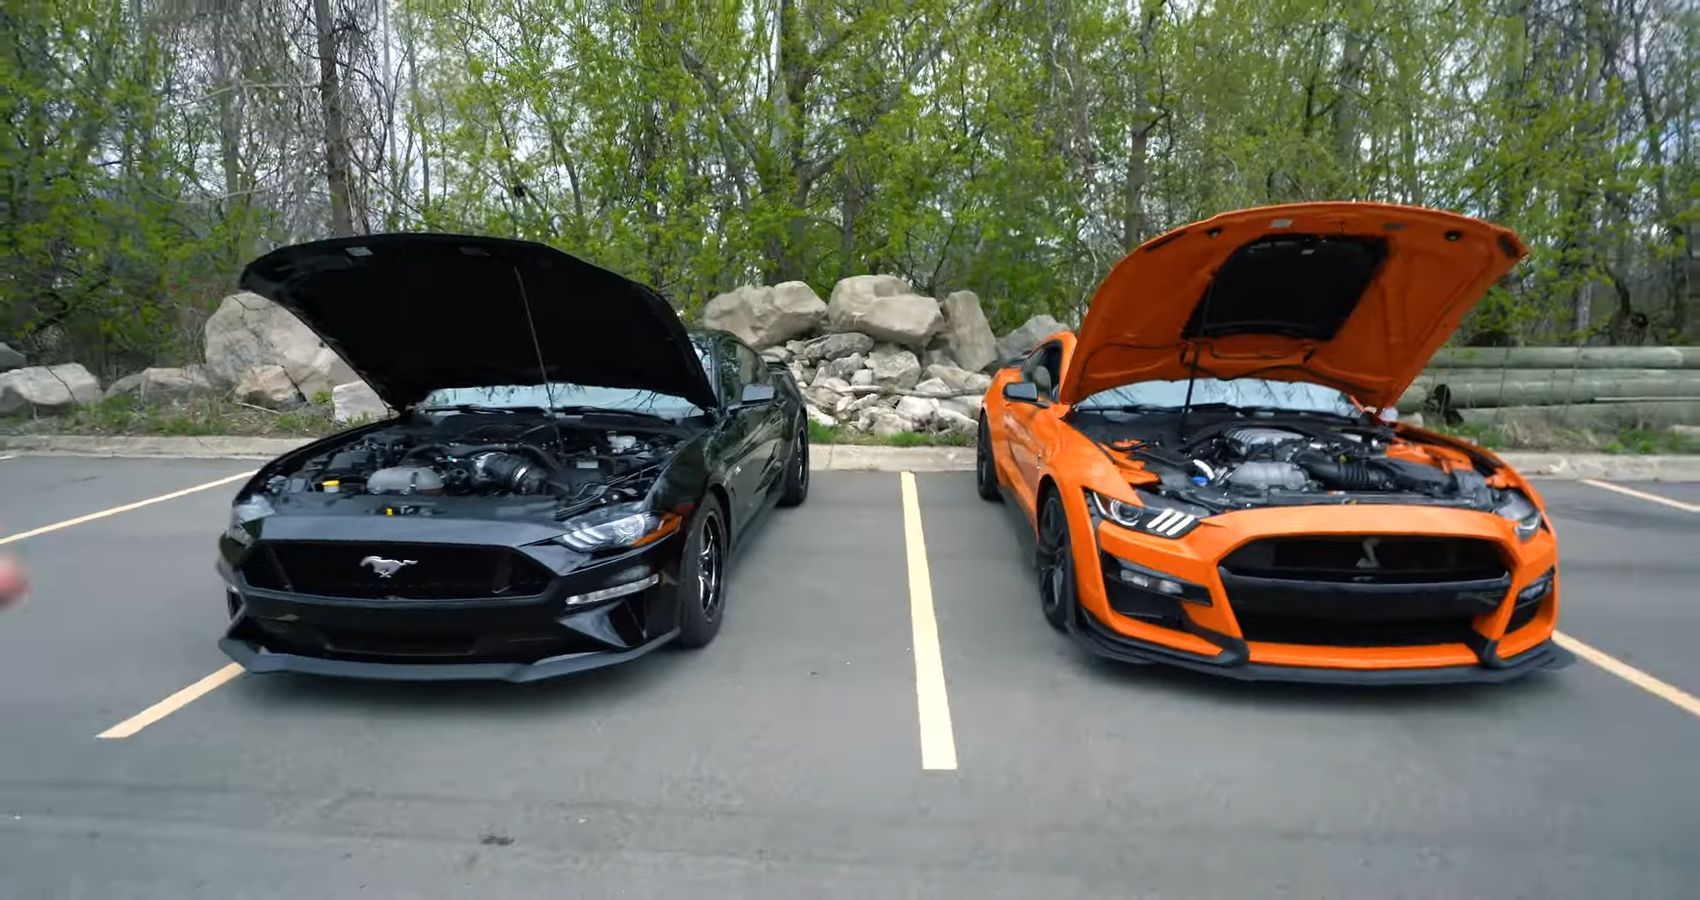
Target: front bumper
x,y
455,638
257,659
1233,662
1453,628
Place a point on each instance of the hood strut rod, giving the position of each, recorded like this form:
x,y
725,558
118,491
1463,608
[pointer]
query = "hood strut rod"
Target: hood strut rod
x,y
542,367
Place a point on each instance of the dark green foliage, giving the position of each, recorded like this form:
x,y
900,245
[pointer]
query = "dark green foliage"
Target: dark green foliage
x,y
1018,150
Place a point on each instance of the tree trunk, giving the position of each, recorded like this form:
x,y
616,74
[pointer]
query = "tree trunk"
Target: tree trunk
x,y
1133,213
336,133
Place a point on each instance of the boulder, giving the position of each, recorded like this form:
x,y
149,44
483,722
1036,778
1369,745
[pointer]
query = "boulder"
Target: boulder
x,y
777,354
836,346
11,359
949,420
822,397
322,374
969,336
934,388
938,358
47,389
968,406
862,378
165,384
1022,340
883,307
267,386
820,418
794,348
765,316
866,401
802,373
894,368
846,366
832,383
961,381
919,410
248,331
356,402
883,422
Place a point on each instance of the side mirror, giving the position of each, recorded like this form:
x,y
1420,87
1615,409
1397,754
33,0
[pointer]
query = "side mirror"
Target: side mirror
x,y
757,394
1021,392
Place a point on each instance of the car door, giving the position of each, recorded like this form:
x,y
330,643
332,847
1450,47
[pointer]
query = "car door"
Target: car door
x,y
1022,419
766,420
741,434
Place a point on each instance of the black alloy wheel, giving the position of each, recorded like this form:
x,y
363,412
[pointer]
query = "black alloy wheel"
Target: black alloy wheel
x,y
985,470
796,481
1056,564
702,577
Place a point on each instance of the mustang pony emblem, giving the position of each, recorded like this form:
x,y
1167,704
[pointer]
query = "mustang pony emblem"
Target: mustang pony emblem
x,y
386,567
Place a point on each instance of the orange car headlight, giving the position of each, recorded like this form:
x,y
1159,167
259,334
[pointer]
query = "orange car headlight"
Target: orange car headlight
x,y
1158,517
1520,509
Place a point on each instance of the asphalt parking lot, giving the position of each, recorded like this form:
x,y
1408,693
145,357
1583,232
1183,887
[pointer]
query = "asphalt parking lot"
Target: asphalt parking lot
x,y
786,759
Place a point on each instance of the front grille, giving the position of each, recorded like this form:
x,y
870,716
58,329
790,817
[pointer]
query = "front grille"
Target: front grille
x,y
429,571
1369,559
1363,591
361,644
1278,629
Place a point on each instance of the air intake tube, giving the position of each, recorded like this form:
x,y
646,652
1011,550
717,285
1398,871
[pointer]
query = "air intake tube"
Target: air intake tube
x,y
1346,475
509,472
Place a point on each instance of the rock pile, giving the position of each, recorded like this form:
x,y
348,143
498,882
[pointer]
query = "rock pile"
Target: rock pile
x,y
878,357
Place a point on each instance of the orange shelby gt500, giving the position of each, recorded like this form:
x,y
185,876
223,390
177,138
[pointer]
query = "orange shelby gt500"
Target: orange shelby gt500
x,y
1211,483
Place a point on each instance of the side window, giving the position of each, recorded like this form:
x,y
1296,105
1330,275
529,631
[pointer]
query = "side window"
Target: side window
x,y
726,361
1043,369
751,369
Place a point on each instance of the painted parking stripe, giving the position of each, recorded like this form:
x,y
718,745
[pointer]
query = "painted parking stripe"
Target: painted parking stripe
x,y
1664,690
1643,495
170,704
80,520
938,738
6,456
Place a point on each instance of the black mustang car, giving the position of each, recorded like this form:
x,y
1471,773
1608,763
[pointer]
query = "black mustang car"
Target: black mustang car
x,y
560,490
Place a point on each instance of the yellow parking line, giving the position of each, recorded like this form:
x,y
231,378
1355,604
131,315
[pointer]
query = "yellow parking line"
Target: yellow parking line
x,y
1662,689
171,704
1643,495
938,739
35,532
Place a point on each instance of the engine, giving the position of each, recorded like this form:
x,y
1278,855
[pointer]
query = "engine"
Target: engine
x,y
1241,465
507,459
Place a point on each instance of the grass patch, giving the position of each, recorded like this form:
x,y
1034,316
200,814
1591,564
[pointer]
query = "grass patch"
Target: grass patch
x,y
201,417
1491,437
835,434
1629,440
1647,441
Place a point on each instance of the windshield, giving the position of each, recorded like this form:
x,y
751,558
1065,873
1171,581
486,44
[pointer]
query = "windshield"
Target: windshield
x,y
567,394
1285,395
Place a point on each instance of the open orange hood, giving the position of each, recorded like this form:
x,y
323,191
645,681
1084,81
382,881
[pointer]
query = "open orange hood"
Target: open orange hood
x,y
1357,296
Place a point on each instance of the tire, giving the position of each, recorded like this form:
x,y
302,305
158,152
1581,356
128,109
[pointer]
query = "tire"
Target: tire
x,y
702,576
985,468
796,483
1057,594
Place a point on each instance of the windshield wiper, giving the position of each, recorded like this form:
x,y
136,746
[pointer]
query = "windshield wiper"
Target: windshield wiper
x,y
612,411
480,408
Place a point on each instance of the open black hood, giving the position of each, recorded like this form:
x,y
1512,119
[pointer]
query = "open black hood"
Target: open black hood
x,y
412,313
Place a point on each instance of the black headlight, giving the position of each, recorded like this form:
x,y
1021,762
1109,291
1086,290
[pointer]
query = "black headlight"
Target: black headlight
x,y
1159,516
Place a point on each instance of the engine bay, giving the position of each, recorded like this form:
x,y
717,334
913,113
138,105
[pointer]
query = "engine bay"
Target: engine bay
x,y
484,455
1240,463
